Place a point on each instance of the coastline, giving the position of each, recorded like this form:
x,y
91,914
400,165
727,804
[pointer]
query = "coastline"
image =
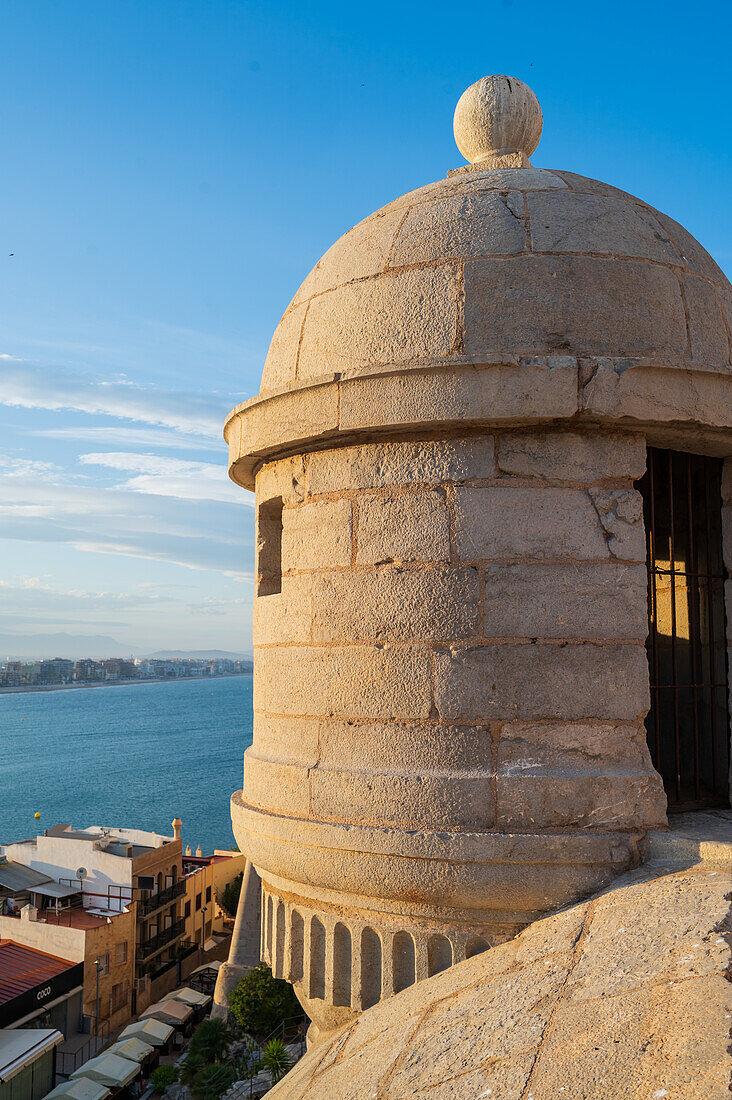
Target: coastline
x,y
21,689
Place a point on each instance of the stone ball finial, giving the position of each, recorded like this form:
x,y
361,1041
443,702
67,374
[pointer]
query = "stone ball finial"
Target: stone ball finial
x,y
498,122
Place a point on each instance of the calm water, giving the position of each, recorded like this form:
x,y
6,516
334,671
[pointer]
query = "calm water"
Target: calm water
x,y
132,755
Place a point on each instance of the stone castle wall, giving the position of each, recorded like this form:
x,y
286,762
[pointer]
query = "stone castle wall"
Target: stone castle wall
x,y
426,698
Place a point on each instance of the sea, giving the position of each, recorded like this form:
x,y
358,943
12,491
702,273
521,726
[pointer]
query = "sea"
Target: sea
x,y
127,755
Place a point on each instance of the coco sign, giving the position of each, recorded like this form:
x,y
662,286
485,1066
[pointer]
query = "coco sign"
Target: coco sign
x,y
29,1002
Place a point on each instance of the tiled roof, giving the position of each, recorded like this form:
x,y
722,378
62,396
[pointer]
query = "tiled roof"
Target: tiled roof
x,y
23,968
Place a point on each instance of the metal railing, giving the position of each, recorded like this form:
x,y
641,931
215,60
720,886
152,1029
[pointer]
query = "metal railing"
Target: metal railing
x,y
69,1060
149,947
157,901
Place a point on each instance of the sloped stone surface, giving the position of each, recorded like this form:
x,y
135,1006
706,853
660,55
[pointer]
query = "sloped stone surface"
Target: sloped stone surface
x,y
622,996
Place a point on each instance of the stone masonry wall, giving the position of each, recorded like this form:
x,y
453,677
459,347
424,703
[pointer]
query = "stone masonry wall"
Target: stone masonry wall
x,y
459,637
456,649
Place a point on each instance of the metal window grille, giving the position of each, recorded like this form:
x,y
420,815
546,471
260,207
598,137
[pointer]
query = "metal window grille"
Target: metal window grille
x,y
688,723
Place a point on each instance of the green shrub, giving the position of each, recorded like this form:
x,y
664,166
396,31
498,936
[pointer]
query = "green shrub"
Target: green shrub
x,y
211,1041
260,1002
229,899
212,1081
190,1068
276,1060
162,1077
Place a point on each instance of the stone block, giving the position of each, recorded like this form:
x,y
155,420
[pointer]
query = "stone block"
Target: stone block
x,y
575,681
621,515
659,396
517,523
402,527
694,256
414,801
426,462
285,479
299,415
359,253
394,318
572,305
317,535
394,603
599,224
557,800
438,749
572,456
283,617
286,740
582,601
269,785
579,744
377,683
486,223
709,342
280,366
543,388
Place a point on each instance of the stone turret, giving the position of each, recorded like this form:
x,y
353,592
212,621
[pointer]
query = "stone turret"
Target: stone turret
x,y
450,611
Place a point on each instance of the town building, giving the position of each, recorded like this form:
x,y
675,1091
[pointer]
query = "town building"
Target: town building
x,y
208,925
39,988
494,417
113,870
104,942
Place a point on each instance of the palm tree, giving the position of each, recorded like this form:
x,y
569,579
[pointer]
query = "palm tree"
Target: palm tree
x,y
211,1041
276,1060
212,1081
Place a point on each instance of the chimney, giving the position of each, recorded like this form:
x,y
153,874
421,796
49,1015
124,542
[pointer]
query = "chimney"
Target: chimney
x,y
176,823
188,849
198,851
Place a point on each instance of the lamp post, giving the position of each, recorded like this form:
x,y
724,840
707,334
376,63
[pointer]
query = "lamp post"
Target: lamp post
x,y
98,966
203,929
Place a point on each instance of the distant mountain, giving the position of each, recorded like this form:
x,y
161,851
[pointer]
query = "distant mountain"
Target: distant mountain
x,y
37,647
71,646
198,654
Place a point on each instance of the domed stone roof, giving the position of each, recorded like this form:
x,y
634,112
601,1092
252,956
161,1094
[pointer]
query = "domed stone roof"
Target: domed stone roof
x,y
496,261
499,263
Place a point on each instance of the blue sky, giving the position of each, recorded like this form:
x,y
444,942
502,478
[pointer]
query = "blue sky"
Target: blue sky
x,y
170,172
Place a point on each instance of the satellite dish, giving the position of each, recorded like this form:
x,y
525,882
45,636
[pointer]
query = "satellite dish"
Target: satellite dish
x,y
81,872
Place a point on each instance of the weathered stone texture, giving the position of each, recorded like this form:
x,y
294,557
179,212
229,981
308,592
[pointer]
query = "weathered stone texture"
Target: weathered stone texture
x,y
709,343
285,479
574,600
572,456
434,749
359,253
379,464
416,801
398,317
492,682
599,224
283,617
374,682
500,523
317,536
396,603
624,995
621,515
281,362
541,389
484,224
572,304
402,527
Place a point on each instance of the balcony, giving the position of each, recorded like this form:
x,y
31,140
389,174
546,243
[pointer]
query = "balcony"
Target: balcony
x,y
156,901
155,943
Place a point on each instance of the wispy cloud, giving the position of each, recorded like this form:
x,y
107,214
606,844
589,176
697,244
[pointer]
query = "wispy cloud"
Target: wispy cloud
x,y
133,437
171,477
31,386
